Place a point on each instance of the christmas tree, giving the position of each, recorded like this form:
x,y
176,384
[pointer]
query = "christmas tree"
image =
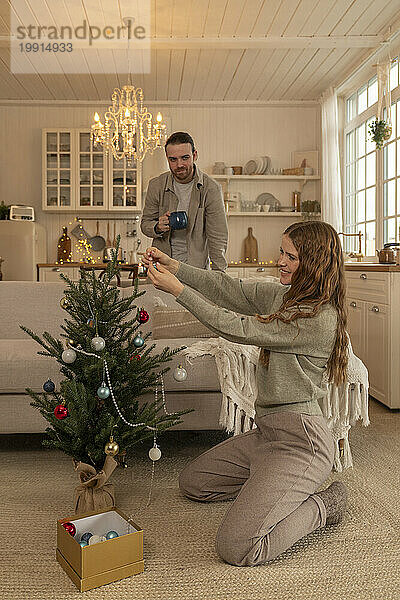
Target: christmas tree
x,y
107,367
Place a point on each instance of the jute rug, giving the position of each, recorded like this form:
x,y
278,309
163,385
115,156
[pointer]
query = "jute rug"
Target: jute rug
x,y
359,559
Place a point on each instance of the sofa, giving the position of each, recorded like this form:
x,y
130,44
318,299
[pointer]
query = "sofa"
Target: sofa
x,y
36,305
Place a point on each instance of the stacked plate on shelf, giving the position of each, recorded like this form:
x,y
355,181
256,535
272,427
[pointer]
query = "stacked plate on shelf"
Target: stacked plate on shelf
x,y
260,165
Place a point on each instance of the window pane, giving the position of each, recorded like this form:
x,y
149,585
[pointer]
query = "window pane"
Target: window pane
x,y
350,210
360,173
389,165
370,204
360,206
394,75
360,133
370,249
372,91
350,106
393,118
350,147
350,185
362,99
398,158
370,143
389,231
389,199
371,177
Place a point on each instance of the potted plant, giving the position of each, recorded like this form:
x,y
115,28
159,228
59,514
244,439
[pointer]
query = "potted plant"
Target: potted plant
x,y
380,131
4,211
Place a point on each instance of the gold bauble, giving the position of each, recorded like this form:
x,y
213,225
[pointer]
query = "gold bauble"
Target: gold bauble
x,y
111,448
64,303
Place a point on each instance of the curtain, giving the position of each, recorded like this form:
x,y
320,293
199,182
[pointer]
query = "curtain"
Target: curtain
x,y
331,205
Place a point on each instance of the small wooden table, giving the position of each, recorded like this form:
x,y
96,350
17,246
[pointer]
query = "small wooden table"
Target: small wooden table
x,y
132,268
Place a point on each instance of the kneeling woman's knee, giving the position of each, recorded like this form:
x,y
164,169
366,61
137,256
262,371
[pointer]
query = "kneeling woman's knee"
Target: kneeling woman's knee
x,y
230,548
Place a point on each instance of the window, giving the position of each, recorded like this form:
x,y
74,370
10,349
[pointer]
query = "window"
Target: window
x,y
372,178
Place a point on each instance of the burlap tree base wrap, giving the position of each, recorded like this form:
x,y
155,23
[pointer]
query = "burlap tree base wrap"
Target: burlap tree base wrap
x,y
94,491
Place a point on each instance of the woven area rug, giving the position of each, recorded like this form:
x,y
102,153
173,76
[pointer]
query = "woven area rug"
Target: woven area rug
x,y
359,559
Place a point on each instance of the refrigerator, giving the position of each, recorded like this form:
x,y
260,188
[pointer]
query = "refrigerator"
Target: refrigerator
x,y
22,246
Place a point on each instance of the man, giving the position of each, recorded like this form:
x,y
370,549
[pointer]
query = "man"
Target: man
x,y
186,188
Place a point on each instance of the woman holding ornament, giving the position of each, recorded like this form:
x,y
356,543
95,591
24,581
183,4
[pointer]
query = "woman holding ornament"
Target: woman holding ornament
x,y
272,472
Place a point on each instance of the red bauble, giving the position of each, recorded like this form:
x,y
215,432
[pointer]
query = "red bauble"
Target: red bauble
x,y
70,527
137,356
60,412
143,316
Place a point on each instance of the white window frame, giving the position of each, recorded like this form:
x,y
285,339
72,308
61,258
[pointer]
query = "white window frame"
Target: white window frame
x,y
348,127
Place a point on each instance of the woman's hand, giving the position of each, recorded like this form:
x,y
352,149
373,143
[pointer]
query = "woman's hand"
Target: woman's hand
x,y
163,280
155,255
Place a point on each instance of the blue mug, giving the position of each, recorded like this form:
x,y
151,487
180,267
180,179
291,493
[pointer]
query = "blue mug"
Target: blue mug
x,y
178,219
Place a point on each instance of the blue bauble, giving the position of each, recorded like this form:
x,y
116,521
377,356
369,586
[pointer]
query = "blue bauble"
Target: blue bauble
x,y
85,537
49,386
138,341
83,544
103,392
111,534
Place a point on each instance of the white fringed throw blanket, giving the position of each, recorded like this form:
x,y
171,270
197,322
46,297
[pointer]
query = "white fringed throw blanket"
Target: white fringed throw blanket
x,y
236,366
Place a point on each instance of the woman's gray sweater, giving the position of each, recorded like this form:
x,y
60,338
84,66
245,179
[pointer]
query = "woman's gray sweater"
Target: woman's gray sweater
x,y
299,351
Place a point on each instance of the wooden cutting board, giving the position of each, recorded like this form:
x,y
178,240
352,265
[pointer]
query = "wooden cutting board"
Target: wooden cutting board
x,y
250,247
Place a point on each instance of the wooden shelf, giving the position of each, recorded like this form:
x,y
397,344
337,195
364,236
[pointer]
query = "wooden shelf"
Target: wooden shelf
x,y
268,177
264,214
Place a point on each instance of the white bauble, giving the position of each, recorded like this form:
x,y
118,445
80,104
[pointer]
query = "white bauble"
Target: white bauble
x,y
68,356
155,453
180,373
98,344
95,539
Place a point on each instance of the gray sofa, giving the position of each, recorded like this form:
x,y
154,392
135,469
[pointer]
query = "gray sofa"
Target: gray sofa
x,y
37,306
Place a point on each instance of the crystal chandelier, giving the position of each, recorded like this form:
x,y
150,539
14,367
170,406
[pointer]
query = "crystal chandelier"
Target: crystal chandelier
x,y
128,129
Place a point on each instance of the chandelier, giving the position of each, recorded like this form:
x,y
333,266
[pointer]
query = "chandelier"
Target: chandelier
x,y
128,130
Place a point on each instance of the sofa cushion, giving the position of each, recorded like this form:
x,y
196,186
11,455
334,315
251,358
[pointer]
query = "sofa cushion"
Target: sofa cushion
x,y
173,323
22,367
202,373
33,304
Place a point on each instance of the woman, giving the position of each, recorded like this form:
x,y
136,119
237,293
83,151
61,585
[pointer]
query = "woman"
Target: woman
x,y
273,471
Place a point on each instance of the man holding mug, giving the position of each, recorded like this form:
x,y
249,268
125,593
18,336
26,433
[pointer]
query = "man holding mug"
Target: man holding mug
x,y
184,209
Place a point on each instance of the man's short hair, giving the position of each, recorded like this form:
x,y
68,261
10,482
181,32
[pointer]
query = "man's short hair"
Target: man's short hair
x,y
179,137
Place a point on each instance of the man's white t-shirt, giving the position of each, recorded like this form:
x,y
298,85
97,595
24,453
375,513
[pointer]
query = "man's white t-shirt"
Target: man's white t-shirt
x,y
178,236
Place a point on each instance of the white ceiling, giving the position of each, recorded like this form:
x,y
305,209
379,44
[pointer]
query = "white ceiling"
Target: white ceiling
x,y
208,50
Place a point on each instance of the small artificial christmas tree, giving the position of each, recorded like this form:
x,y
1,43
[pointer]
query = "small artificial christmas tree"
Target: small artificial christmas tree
x,y
107,367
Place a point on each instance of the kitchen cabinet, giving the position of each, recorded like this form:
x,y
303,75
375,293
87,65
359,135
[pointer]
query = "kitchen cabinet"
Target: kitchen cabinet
x,y
78,176
247,272
374,328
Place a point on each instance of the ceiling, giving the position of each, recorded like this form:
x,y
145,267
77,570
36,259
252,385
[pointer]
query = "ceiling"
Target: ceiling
x,y
203,50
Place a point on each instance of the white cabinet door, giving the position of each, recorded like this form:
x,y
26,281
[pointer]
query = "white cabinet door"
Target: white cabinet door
x,y
53,273
377,350
259,272
356,326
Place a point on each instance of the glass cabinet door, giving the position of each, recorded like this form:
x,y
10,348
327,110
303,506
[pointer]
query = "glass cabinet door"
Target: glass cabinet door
x,y
58,169
124,185
91,173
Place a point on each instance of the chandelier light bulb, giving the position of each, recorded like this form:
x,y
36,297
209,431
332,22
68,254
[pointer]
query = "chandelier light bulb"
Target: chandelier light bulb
x,y
96,117
159,117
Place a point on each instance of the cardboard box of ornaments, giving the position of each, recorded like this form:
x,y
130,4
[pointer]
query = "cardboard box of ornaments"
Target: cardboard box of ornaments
x,y
105,561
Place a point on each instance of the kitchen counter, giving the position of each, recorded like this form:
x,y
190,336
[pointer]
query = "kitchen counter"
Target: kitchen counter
x,y
366,266
272,265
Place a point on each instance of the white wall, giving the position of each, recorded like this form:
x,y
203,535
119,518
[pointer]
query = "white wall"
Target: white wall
x,y
232,134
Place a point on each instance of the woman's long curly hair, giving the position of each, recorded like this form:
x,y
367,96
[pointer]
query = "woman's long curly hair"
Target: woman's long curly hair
x,y
319,279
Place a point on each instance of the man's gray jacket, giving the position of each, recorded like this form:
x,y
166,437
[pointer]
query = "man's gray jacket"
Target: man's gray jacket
x,y
207,230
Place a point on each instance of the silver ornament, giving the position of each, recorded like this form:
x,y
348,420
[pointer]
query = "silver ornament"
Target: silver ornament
x,y
103,391
155,453
95,539
180,373
68,356
98,344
